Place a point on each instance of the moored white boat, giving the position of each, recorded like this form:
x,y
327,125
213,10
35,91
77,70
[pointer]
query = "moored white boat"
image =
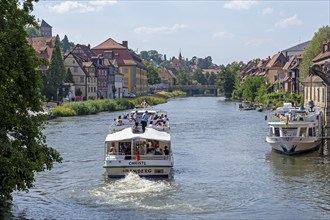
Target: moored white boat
x,y
295,130
129,149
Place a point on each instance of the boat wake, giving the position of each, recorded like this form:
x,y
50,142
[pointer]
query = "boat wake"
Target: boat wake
x,y
132,189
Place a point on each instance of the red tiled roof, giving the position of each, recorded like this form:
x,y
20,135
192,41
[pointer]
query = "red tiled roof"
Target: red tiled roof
x,y
288,64
121,54
43,46
108,45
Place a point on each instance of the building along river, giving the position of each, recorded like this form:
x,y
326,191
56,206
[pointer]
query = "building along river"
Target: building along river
x,y
224,169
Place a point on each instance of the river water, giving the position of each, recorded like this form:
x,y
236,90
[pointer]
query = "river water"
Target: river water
x,y
223,169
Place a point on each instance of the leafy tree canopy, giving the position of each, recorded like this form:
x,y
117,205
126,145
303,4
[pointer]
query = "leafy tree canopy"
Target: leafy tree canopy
x,y
313,49
153,73
55,76
23,149
152,55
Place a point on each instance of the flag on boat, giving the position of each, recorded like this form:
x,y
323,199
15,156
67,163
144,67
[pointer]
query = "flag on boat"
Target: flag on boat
x,y
137,156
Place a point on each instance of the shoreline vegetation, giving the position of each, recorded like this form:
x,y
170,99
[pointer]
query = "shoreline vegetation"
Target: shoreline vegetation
x,y
91,107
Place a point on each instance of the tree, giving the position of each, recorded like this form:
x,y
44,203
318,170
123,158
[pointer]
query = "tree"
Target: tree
x,y
313,49
23,148
228,78
55,76
254,86
65,44
183,78
153,73
204,63
69,77
33,32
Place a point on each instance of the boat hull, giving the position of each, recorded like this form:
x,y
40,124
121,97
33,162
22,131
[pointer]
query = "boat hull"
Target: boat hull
x,y
147,171
294,145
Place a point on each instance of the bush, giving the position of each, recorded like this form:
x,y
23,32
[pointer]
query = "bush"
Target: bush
x,y
63,111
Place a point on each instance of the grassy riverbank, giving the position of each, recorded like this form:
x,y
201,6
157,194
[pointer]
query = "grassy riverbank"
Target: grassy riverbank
x,y
102,105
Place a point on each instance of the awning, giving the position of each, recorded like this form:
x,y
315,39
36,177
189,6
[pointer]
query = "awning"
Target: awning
x,y
149,133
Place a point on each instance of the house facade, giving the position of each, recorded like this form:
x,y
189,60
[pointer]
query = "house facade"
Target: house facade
x,y
45,29
129,63
84,76
315,88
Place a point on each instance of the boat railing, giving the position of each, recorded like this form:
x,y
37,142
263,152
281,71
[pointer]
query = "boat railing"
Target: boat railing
x,y
126,123
154,157
141,157
293,117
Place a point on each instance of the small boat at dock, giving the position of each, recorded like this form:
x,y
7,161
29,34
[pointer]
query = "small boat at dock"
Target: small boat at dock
x,y
294,130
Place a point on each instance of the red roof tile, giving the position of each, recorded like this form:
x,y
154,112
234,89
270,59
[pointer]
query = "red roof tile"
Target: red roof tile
x,y
108,45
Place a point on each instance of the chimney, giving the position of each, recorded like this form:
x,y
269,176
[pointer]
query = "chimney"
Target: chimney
x,y
125,43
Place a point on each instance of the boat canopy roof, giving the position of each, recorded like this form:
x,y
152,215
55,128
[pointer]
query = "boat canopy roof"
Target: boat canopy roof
x,y
127,134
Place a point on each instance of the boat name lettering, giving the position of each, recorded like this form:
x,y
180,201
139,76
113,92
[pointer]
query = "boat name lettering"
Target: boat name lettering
x,y
137,170
137,163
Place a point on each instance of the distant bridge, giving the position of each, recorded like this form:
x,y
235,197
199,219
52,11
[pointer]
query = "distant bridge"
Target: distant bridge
x,y
195,89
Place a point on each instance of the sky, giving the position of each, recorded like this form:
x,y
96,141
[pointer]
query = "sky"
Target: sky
x,y
227,31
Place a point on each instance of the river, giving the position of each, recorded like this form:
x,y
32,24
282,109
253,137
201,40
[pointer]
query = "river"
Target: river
x,y
223,169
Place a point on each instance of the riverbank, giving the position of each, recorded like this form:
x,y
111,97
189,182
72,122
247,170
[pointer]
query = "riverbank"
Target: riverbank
x,y
109,105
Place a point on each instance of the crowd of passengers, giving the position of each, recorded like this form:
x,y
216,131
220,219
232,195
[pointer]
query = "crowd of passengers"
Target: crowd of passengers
x,y
145,119
145,148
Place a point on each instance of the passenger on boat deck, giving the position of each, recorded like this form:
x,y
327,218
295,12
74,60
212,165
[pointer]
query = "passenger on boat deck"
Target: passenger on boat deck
x,y
119,121
135,116
150,151
144,120
166,151
112,150
123,148
158,151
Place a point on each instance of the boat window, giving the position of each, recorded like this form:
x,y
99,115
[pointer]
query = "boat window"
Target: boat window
x,y
289,132
311,132
302,132
277,132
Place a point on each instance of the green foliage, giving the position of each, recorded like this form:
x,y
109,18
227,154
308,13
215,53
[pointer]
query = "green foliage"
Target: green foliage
x,y
69,77
183,78
123,104
83,108
23,148
253,86
55,76
152,55
153,73
33,32
227,79
313,49
204,63
101,105
63,111
199,77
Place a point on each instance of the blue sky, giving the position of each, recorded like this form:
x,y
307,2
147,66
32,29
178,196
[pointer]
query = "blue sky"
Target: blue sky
x,y
225,30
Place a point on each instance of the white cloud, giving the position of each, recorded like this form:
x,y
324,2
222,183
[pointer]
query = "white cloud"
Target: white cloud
x,y
267,11
80,6
159,30
291,21
244,5
223,34
258,42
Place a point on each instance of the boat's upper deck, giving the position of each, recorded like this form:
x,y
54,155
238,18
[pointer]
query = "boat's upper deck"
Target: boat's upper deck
x,y
157,119
294,115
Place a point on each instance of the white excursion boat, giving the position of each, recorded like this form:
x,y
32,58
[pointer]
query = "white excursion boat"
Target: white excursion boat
x,y
295,130
130,149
